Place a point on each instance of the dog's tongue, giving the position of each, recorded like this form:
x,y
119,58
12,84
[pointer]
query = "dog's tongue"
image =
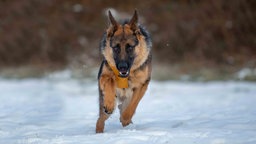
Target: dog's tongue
x,y
123,72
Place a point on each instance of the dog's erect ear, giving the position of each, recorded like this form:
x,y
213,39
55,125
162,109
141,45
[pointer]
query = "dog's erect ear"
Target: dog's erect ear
x,y
134,21
112,20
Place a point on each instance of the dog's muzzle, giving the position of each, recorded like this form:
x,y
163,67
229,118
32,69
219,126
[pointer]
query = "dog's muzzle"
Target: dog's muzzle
x,y
123,69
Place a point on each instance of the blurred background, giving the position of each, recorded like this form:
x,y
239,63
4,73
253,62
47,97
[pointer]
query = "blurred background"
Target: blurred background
x,y
192,39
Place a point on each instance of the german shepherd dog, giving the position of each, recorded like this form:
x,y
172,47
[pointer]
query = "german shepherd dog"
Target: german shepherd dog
x,y
125,71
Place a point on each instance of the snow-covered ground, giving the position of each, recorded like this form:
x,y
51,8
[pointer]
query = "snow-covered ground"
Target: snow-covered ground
x,y
59,110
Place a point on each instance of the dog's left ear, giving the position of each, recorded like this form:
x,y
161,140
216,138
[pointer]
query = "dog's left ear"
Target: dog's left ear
x,y
134,21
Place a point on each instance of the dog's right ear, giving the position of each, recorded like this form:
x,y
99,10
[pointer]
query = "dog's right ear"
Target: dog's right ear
x,y
134,21
112,21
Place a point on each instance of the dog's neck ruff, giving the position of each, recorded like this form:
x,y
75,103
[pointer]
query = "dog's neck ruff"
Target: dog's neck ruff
x,y
121,82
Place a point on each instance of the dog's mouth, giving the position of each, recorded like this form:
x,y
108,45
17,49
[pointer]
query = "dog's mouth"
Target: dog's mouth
x,y
123,73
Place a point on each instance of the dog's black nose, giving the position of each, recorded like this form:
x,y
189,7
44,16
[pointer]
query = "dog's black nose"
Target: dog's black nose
x,y
122,66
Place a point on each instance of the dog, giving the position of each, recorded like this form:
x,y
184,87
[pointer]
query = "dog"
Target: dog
x,y
125,71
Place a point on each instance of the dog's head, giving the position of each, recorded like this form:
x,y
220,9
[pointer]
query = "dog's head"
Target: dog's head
x,y
125,46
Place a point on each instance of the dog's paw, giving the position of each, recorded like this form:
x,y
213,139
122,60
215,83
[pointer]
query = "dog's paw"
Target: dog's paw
x,y
108,110
109,107
100,126
125,121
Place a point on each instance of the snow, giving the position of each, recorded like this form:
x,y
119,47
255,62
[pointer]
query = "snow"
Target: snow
x,y
246,72
60,110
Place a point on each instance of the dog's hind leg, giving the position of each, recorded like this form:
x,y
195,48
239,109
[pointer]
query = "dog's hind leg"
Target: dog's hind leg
x,y
101,122
106,101
102,115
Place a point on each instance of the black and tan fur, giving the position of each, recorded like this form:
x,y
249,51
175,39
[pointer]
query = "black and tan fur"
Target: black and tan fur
x,y
127,46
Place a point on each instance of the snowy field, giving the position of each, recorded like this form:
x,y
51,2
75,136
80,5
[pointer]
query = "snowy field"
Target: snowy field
x,y
60,110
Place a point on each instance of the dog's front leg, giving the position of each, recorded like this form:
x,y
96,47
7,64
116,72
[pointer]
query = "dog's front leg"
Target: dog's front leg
x,y
106,101
126,117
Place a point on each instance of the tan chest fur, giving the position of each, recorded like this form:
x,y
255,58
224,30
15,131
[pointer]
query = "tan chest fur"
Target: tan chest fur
x,y
136,79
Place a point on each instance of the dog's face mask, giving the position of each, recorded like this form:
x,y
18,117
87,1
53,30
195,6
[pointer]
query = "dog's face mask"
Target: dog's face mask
x,y
123,41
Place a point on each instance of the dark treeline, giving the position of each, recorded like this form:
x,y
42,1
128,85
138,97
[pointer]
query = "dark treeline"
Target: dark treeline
x,y
61,32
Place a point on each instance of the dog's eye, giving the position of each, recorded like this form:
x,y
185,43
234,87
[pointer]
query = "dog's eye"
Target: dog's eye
x,y
128,48
116,48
